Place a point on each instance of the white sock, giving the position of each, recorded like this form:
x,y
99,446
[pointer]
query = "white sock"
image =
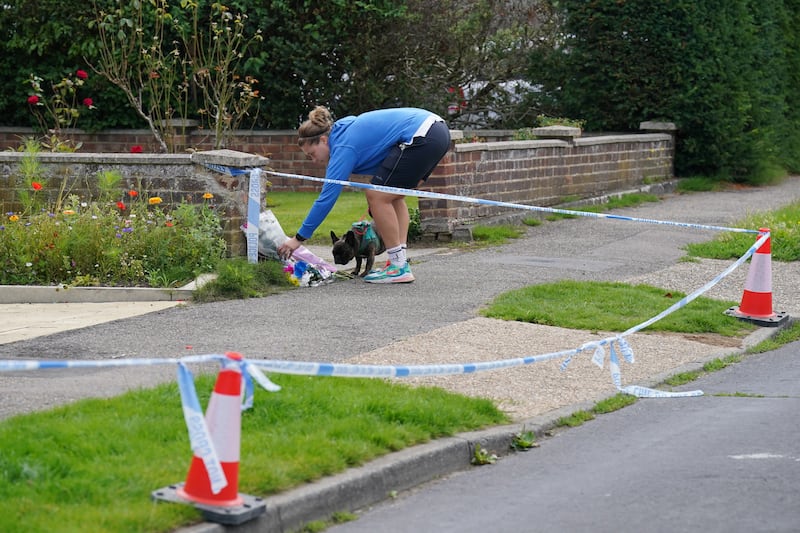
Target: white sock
x,y
397,255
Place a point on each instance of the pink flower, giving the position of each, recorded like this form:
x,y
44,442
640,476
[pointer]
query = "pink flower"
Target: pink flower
x,y
88,102
136,149
82,74
33,99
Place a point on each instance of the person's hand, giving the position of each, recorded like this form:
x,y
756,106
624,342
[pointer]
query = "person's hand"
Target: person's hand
x,y
286,249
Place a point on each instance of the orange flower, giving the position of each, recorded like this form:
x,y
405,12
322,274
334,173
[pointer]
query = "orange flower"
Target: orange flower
x,y
13,218
133,194
155,200
208,196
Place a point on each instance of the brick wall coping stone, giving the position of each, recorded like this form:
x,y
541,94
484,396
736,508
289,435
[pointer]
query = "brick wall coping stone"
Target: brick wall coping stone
x,y
557,132
229,158
556,143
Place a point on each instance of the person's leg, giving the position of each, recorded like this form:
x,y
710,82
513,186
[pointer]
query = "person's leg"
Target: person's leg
x,y
406,167
391,224
382,207
403,218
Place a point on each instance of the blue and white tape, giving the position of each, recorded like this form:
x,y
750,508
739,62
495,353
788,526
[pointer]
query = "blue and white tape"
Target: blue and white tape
x,y
253,213
251,369
467,199
200,439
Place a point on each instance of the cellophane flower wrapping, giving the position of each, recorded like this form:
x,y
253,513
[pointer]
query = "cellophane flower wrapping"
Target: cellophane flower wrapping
x,y
304,268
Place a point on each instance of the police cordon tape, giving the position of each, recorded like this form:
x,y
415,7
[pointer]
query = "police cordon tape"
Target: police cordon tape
x,y
251,369
467,199
199,435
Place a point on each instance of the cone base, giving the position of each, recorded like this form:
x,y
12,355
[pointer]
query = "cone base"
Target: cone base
x,y
771,321
250,508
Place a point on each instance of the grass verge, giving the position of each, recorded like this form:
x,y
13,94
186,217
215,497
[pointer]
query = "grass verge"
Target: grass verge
x,y
607,306
92,465
784,236
291,208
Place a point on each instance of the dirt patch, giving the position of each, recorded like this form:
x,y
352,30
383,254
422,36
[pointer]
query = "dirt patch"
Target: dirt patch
x,y
712,339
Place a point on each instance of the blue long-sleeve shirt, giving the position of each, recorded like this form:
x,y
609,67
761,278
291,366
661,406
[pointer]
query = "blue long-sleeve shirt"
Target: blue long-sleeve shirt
x,y
358,145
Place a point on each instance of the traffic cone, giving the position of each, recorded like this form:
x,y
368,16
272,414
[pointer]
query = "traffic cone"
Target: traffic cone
x,y
756,303
223,418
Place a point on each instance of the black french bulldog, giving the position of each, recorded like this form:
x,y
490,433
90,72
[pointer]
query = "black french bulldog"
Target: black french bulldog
x,y
361,242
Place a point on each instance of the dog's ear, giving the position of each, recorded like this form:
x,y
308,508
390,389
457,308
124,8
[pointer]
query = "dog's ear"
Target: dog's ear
x,y
334,238
350,239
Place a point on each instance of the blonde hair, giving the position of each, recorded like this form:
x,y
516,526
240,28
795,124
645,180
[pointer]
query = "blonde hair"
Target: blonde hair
x,y
319,123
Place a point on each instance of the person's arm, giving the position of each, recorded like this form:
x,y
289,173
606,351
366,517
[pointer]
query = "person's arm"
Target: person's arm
x,y
320,209
339,168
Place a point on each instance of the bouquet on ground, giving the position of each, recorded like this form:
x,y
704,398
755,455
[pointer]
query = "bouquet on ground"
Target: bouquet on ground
x,y
304,268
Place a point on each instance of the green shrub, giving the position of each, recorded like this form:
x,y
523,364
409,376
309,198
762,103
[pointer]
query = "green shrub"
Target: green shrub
x,y
121,238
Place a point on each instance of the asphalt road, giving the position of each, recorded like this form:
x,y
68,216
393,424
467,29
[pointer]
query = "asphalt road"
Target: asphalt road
x,y
727,462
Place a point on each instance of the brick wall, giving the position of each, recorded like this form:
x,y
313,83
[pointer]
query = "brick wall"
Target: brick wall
x,y
174,178
544,172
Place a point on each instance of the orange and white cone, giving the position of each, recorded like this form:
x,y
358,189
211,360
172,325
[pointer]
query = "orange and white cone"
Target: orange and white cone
x,y
756,303
212,485
223,418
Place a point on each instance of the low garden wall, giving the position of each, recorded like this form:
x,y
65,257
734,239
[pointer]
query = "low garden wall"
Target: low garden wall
x,y
560,165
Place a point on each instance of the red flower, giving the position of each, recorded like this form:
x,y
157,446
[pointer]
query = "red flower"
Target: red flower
x,y
33,99
88,102
136,149
169,224
82,74
120,205
36,186
133,193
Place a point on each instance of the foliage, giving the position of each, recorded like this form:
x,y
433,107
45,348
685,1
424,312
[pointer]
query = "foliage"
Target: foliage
x,y
716,69
526,134
524,440
57,108
575,419
119,238
482,456
158,73
607,405
784,226
237,278
496,234
785,336
724,72
216,55
351,56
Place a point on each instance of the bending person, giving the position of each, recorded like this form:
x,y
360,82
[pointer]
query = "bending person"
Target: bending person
x,y
399,147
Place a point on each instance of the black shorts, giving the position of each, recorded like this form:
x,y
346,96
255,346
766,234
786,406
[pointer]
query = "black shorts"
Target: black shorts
x,y
409,164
